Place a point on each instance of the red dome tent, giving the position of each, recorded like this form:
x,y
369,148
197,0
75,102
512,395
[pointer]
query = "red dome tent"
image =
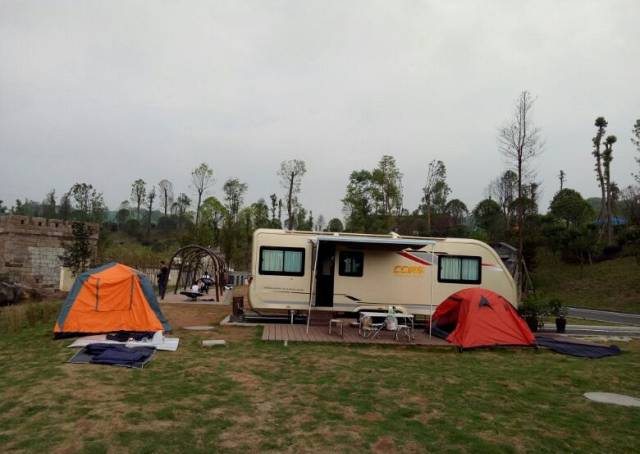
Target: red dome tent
x,y
476,317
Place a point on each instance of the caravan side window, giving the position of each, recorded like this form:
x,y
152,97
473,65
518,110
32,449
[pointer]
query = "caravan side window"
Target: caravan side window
x,y
351,263
459,269
282,261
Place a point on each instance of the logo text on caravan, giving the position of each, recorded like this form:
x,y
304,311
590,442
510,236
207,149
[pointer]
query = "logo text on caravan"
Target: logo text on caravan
x,y
403,269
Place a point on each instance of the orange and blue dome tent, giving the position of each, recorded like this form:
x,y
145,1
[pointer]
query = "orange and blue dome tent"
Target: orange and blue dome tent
x,y
112,297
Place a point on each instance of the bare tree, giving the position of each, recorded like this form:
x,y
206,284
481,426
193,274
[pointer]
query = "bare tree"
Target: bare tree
x,y
138,194
202,179
503,189
291,173
436,175
519,141
165,188
151,195
562,177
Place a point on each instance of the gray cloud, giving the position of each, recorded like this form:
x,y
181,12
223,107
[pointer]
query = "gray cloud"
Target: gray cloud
x,y
107,92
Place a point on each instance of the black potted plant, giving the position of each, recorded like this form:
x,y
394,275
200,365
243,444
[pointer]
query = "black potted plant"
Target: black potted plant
x,y
557,309
532,310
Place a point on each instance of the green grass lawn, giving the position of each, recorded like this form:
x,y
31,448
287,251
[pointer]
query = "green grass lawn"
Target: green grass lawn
x,y
257,396
613,284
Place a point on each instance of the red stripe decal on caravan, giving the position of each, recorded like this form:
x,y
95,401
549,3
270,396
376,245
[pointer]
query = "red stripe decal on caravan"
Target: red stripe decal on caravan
x,y
406,255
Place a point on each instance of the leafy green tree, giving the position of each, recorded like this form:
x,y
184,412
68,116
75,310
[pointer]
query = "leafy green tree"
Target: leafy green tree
x,y
569,206
488,216
49,205
291,173
213,215
121,216
359,204
234,192
441,193
386,182
260,214
457,209
3,208
335,225
65,208
202,179
138,194
78,252
89,203
630,204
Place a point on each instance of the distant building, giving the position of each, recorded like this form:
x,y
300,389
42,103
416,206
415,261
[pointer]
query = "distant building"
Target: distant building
x,y
31,249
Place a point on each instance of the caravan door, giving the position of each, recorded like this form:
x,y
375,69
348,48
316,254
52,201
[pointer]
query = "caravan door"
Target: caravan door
x,y
325,274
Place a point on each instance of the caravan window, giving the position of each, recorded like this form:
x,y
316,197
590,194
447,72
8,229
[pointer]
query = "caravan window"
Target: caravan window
x,y
458,269
286,261
351,263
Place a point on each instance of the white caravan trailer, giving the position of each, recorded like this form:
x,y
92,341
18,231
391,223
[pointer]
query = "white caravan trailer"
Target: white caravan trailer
x,y
302,271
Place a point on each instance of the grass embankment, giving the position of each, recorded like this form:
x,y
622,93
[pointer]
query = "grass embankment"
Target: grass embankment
x,y
258,396
612,284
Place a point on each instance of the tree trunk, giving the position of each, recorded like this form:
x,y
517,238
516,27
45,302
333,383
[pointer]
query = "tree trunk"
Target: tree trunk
x,y
198,207
520,229
290,203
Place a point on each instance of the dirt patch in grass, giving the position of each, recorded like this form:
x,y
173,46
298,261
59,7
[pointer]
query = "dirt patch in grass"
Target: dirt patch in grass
x,y
384,445
181,315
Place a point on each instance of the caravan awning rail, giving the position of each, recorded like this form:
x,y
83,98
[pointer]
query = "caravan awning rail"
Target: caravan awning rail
x,y
400,243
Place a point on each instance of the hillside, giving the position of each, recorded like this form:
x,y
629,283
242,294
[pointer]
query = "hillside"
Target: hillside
x,y
612,284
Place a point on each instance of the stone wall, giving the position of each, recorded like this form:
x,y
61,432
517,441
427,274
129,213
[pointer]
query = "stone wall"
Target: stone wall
x,y
31,249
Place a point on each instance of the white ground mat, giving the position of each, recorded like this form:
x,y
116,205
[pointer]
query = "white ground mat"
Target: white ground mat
x,y
158,341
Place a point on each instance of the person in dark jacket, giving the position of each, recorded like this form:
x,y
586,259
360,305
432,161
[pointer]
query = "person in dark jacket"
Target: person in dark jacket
x,y
163,279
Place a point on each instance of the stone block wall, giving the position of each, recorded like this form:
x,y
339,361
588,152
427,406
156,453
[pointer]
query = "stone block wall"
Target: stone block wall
x,y
31,249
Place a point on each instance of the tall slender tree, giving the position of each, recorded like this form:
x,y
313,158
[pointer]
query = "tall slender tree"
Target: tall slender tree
x,y
519,141
165,189
151,196
202,179
562,177
607,157
436,175
138,194
291,173
635,139
601,125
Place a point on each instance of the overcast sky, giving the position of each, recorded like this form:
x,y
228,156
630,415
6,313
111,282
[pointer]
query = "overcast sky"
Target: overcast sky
x,y
105,92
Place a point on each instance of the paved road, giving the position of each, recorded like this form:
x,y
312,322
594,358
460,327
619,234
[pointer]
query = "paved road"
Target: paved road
x,y
593,330
605,316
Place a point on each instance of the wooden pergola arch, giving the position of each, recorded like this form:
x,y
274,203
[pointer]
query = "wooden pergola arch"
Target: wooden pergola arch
x,y
192,261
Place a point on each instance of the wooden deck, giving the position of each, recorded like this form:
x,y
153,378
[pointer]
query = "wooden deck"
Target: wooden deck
x,y
298,333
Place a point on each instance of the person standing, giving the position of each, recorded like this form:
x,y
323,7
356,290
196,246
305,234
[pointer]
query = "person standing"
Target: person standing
x,y
163,279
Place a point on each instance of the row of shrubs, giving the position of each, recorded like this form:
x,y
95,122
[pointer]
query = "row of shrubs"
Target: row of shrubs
x,y
17,317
